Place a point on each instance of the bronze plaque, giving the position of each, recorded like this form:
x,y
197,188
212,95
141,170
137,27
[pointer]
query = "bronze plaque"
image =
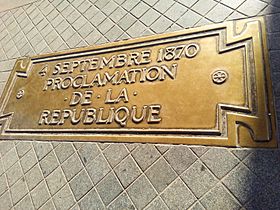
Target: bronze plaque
x,y
208,85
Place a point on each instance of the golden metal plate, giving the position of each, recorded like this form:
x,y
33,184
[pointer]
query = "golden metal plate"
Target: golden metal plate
x,y
209,85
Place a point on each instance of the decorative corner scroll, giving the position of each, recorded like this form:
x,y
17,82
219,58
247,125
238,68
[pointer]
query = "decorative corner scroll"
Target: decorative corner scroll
x,y
209,85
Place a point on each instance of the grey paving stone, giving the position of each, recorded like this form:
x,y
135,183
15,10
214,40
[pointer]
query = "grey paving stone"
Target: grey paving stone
x,y
175,11
121,202
129,4
86,30
117,14
18,190
88,152
48,206
56,180
10,158
219,161
5,201
140,9
197,206
63,151
252,7
97,18
127,171
84,6
42,149
219,198
160,174
180,158
23,147
189,19
145,155
3,184
25,204
91,201
178,196
64,199
241,154
243,183
33,177
14,173
161,24
141,192
203,6
109,188
72,166
264,163
81,184
115,153
127,21
235,15
113,33
106,25
98,168
48,164
199,179
199,150
28,160
219,13
156,204
232,4
40,195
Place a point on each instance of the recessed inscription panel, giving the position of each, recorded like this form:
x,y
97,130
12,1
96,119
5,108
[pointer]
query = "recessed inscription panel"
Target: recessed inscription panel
x,y
208,85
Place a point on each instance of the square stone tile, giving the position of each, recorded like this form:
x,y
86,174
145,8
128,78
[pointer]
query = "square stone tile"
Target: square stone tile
x,y
3,184
145,155
203,6
25,203
33,177
219,13
81,184
175,11
197,206
115,153
28,160
243,183
118,14
141,192
48,164
127,171
23,148
109,188
88,152
40,195
18,190
180,158
56,180
5,146
160,174
199,150
129,4
178,196
10,158
199,179
48,206
189,19
64,199
219,198
42,149
232,4
127,21
63,151
14,173
5,201
163,5
252,7
220,161
241,154
121,202
157,204
161,24
72,166
140,9
91,202
98,168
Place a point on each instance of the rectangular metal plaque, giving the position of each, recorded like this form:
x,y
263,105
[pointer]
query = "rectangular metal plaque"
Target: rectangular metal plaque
x,y
208,85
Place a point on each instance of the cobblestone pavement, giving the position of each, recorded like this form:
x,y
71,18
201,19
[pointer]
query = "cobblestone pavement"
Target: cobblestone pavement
x,y
51,175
